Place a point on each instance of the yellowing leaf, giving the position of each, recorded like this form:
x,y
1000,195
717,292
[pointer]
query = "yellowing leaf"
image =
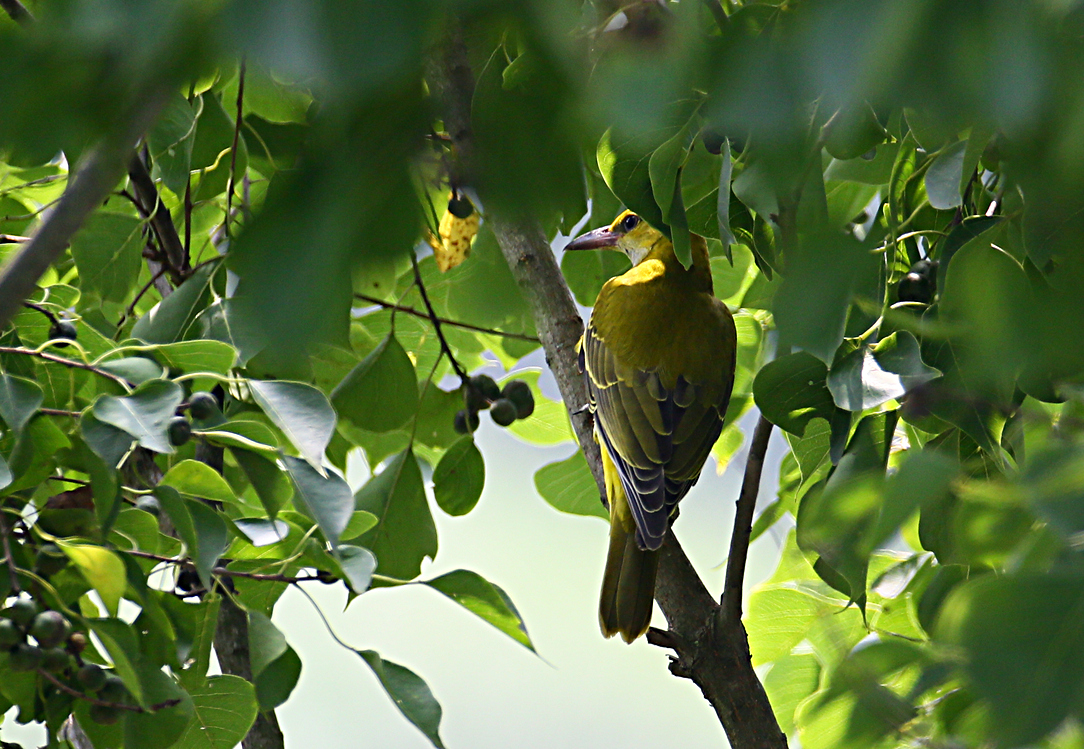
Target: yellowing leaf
x,y
103,569
456,235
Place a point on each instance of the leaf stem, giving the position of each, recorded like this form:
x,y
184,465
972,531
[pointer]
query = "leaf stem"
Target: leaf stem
x,y
445,321
444,347
66,362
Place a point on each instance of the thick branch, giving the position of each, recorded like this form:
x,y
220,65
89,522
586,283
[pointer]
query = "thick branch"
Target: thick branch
x,y
99,173
161,221
231,647
17,11
711,650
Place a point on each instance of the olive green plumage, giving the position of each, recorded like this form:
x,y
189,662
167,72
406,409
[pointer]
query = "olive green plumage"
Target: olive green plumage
x,y
658,356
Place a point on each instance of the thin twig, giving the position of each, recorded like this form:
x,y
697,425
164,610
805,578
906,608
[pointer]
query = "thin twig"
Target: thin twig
x,y
233,149
730,608
436,321
223,572
445,321
13,239
66,362
60,412
95,701
139,295
38,308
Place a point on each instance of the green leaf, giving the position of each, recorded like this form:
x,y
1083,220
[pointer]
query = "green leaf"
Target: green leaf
x,y
358,565
212,538
197,356
791,680
944,176
144,414
459,477
170,141
6,477
122,648
135,369
405,533
271,484
19,400
177,511
664,167
225,709
1024,649
623,162
409,693
325,499
108,442
170,319
101,568
381,392
549,424
276,667
570,487
723,200
303,414
162,728
261,531
198,480
791,390
108,252
811,304
867,377
484,599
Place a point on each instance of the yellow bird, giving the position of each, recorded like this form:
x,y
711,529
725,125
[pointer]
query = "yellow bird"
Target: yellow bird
x,y
658,357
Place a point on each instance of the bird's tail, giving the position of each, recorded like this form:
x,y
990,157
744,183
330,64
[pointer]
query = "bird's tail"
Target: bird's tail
x,y
628,584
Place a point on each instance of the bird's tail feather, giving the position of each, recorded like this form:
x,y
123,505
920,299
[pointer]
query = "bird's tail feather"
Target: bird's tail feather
x,y
628,584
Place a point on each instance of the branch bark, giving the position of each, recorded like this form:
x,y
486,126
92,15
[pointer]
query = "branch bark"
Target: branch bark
x,y
100,171
160,219
711,650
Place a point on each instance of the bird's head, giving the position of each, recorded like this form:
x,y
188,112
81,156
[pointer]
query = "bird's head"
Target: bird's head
x,y
628,233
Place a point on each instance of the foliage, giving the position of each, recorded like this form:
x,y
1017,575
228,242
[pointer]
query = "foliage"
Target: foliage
x,y
892,196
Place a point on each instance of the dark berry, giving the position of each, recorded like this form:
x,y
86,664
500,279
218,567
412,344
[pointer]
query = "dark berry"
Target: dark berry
x,y
63,329
466,421
915,288
55,660
460,206
503,412
23,611
50,628
104,714
91,676
487,386
180,431
24,657
202,405
113,690
77,643
10,634
519,392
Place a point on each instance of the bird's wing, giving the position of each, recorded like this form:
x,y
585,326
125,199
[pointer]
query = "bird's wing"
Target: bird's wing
x,y
658,437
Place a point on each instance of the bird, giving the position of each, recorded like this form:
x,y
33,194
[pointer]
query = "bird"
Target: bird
x,y
658,356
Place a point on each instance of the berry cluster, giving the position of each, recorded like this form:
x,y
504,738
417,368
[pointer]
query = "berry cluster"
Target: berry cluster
x,y
481,392
201,406
36,639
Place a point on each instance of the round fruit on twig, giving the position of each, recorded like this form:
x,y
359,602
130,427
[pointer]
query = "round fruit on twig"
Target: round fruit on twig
x,y
503,412
180,431
465,421
202,405
519,392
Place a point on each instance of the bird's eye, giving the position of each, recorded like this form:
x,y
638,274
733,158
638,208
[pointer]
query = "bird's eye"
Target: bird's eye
x,y
630,222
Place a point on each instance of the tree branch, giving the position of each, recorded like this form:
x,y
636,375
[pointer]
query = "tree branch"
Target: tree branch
x,y
432,315
161,221
712,651
17,11
443,320
730,605
99,173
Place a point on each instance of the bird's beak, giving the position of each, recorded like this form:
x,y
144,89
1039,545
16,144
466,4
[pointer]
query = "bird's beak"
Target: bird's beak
x,y
593,240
